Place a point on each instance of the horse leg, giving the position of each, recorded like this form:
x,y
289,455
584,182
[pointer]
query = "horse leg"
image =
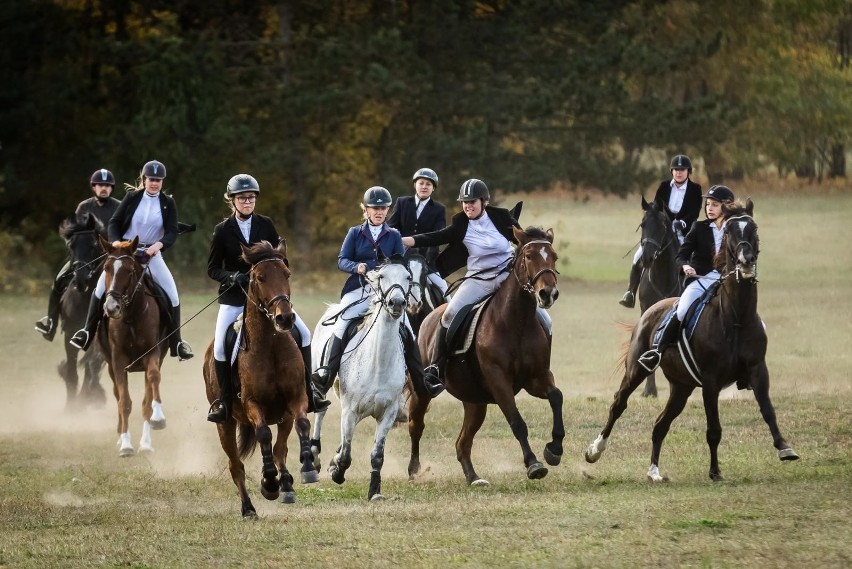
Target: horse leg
x,y
93,393
269,485
553,449
634,374
535,469
125,406
316,445
417,408
279,453
714,431
377,456
152,410
474,416
68,372
306,455
343,459
678,396
228,439
759,379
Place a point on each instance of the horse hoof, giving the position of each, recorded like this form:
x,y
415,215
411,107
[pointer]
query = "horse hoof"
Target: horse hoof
x,y
480,482
717,477
338,476
158,425
269,494
310,477
126,452
376,498
288,497
787,454
592,457
551,458
536,470
250,515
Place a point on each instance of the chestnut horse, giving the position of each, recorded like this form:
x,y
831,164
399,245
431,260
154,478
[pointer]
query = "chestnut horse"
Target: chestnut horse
x,y
270,374
81,239
511,351
729,344
130,340
660,271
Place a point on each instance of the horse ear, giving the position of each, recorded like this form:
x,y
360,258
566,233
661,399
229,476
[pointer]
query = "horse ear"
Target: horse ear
x,y
397,259
549,235
380,255
105,245
282,248
519,234
135,243
645,204
749,207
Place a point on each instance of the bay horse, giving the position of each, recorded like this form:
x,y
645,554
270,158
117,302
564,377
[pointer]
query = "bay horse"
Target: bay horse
x,y
269,374
510,352
86,257
130,339
729,344
372,370
660,277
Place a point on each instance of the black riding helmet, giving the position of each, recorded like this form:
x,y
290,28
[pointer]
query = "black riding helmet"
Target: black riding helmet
x,y
154,169
720,193
242,183
102,176
680,161
427,174
377,196
472,190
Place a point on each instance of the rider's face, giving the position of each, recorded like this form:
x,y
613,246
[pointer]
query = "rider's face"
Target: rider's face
x,y
423,188
472,209
377,215
713,209
244,203
680,175
102,191
153,185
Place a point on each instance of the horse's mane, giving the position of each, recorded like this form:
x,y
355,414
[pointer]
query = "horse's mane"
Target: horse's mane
x,y
536,232
262,251
72,225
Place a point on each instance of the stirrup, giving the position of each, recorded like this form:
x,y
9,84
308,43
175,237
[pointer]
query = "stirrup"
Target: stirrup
x,y
432,380
184,352
628,300
78,341
322,381
651,359
219,414
320,402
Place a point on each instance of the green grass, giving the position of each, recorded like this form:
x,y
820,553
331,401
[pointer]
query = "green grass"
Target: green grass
x,y
67,500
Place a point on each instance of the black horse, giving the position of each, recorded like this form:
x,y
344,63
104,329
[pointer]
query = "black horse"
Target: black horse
x,y
660,277
425,296
81,239
729,344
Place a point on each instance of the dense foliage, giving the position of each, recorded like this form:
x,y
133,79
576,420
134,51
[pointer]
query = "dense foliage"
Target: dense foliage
x,y
320,100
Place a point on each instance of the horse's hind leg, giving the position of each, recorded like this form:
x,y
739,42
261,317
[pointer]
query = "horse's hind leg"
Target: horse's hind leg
x,y
306,455
650,386
474,416
92,391
68,372
417,408
316,445
714,431
377,456
279,452
759,379
678,396
228,440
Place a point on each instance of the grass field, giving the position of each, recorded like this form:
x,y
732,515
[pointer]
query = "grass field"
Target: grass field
x,y
67,500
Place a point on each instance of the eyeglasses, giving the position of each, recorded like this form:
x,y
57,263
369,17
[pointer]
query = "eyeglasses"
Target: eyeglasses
x,y
247,199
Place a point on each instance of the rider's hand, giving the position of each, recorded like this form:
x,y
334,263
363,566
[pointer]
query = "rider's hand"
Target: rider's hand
x,y
239,279
362,268
688,271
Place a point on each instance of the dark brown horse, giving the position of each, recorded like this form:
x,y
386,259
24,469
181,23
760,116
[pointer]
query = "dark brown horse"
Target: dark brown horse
x,y
130,340
270,374
660,271
729,344
511,352
86,257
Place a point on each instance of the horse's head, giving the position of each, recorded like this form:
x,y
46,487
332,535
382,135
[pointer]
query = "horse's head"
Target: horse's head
x,y
269,283
391,283
81,239
123,276
740,244
419,271
535,264
657,232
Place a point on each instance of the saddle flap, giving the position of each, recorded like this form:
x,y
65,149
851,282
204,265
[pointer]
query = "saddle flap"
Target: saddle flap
x,y
462,329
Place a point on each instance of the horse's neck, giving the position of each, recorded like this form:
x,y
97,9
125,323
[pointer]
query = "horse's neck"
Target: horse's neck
x,y
738,301
375,343
517,305
259,329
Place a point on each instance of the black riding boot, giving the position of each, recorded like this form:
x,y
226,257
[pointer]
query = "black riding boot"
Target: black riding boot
x,y
316,399
426,382
83,337
629,298
650,360
439,354
226,393
323,377
47,325
178,347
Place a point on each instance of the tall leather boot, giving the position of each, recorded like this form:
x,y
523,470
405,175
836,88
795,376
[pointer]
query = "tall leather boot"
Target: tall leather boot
x,y
83,337
650,360
426,383
226,393
316,398
439,354
629,298
178,347
47,325
323,377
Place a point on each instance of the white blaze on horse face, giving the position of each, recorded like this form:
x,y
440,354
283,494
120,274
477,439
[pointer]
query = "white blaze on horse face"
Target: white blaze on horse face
x,y
543,252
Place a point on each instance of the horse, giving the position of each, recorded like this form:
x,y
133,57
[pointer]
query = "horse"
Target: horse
x,y
510,352
81,239
130,338
729,344
425,296
372,370
271,376
660,277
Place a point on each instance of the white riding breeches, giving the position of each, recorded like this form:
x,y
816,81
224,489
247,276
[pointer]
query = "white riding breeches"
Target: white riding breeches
x,y
161,275
693,291
637,256
354,311
438,281
228,315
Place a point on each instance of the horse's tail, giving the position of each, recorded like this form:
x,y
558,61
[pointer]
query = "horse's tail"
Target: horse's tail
x,y
625,347
246,440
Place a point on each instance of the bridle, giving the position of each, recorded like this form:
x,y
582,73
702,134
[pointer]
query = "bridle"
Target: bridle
x,y
383,294
266,307
661,247
731,251
529,286
123,299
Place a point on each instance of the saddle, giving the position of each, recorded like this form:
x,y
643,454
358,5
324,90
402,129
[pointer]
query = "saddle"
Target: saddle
x,y
462,329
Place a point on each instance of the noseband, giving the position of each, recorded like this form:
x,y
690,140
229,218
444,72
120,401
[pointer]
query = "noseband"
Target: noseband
x,y
123,299
530,284
266,307
383,294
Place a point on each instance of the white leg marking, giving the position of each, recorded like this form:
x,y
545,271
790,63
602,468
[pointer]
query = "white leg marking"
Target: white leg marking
x,y
145,441
654,474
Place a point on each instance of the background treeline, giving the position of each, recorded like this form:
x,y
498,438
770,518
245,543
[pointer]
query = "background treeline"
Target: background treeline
x,y
321,99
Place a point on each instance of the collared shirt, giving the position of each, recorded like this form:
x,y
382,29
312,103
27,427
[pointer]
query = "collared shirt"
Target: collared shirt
x,y
147,220
718,232
375,230
420,205
488,250
245,227
676,196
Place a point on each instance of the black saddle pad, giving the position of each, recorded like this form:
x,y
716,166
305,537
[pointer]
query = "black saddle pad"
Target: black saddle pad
x,y
460,327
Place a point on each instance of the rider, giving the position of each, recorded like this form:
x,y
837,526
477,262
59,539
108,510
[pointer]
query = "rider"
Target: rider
x,y
102,206
151,215
480,236
421,214
682,199
695,259
243,227
359,254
